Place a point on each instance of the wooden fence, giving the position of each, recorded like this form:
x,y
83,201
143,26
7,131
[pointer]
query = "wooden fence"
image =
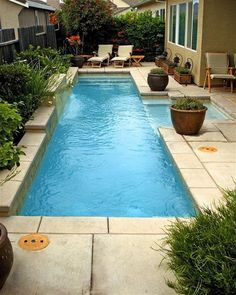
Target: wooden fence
x,y
36,36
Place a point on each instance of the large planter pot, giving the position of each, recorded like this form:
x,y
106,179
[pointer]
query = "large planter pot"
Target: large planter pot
x,y
77,61
157,82
187,122
6,255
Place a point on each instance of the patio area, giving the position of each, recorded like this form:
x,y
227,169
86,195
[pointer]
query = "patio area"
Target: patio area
x,y
116,256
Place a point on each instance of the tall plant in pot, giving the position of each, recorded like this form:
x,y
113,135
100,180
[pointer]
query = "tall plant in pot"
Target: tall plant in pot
x,y
74,43
187,115
157,79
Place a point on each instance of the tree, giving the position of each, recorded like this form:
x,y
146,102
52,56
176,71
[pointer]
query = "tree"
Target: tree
x,y
86,17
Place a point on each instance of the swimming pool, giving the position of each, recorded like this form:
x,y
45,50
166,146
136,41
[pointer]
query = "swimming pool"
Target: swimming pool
x,y
104,159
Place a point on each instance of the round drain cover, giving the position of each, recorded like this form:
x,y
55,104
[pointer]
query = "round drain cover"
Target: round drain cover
x,y
207,149
33,242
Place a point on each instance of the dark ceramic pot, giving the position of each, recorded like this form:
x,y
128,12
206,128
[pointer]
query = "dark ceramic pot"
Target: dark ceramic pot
x,y
158,82
6,255
77,61
187,122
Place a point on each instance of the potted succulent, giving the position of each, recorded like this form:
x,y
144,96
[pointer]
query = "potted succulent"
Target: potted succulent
x,y
187,115
157,79
183,75
6,255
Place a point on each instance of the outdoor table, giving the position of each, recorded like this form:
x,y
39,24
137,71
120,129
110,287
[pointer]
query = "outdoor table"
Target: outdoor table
x,y
136,60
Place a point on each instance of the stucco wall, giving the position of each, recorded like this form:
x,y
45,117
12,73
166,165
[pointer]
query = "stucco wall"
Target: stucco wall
x,y
9,15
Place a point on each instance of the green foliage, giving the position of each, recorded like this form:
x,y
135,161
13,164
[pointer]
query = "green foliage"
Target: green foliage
x,y
202,253
24,86
182,70
91,19
157,71
10,121
9,155
140,29
187,103
46,59
170,63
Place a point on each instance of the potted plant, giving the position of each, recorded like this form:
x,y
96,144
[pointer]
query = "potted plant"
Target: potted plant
x,y
187,115
183,75
168,66
160,59
157,79
75,43
6,255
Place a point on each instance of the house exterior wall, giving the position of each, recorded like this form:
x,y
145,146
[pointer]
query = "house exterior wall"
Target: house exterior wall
x,y
216,25
151,6
7,11
54,3
27,18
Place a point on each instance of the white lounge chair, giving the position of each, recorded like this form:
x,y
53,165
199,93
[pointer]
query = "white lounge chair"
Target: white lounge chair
x,y
218,68
104,53
124,54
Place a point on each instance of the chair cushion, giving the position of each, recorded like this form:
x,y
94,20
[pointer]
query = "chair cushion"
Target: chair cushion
x,y
218,62
98,58
121,58
222,76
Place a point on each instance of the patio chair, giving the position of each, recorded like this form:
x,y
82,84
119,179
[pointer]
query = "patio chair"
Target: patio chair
x,y
218,68
104,53
123,55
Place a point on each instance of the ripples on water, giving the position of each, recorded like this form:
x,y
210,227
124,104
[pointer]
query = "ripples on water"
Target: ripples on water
x,y
104,159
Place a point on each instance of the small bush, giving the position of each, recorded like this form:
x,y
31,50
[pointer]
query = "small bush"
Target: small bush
x,y
45,58
23,86
157,71
9,155
188,103
202,253
182,70
10,121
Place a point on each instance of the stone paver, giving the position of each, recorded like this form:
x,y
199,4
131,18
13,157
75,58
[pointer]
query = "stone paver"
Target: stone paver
x,y
139,225
73,225
64,267
169,134
224,174
207,197
179,147
226,152
21,224
187,161
197,178
20,173
228,129
34,139
126,265
206,136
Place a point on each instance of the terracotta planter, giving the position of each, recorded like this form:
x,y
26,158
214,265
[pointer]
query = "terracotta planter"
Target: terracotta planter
x,y
77,61
157,82
183,78
6,255
168,69
187,122
159,61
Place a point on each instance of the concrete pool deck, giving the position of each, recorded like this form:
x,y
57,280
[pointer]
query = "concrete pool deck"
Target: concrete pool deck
x,y
114,256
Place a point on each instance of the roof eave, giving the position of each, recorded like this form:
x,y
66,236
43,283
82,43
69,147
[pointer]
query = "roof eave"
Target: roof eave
x,y
20,3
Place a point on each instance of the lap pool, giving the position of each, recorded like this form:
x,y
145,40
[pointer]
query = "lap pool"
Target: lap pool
x,y
104,159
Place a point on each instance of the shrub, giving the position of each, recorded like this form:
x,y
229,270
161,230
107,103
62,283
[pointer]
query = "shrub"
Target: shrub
x,y
24,86
157,71
10,121
202,252
188,103
9,155
182,70
45,58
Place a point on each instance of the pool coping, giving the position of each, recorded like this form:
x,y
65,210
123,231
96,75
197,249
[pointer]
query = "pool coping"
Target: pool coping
x,y
84,225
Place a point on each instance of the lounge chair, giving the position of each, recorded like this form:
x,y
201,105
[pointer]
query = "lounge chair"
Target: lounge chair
x,y
104,53
124,54
218,68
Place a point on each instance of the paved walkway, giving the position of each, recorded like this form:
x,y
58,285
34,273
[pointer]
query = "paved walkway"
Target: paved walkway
x,y
115,256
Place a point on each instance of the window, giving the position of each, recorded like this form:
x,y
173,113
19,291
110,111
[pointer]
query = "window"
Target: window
x,y
36,18
160,13
183,24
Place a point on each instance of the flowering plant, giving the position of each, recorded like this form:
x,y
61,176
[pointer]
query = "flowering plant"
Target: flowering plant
x,y
75,43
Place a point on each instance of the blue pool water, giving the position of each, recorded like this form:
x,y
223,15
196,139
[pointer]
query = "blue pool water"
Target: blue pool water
x,y
104,159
